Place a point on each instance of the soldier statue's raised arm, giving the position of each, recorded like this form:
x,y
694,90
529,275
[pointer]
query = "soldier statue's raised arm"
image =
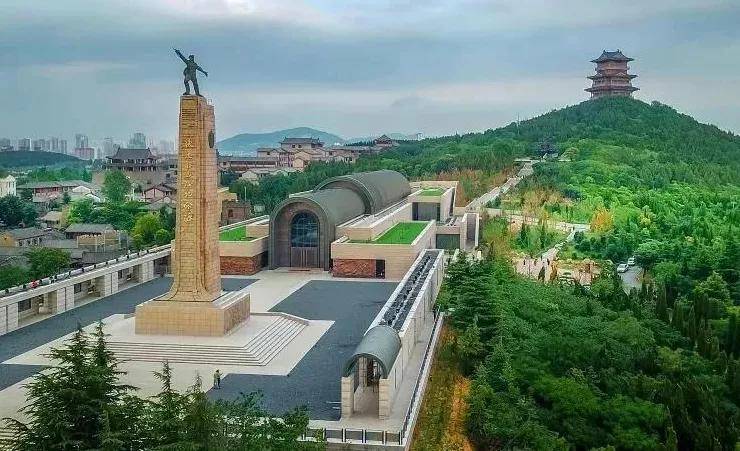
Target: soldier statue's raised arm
x,y
190,72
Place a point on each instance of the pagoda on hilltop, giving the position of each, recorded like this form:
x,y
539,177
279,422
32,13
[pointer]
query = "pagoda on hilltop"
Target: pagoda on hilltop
x,y
611,77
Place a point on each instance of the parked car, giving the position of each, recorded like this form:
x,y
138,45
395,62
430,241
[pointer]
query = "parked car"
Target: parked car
x,y
631,261
622,267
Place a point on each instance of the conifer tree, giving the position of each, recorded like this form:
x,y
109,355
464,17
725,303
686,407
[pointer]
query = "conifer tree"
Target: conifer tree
x,y
661,306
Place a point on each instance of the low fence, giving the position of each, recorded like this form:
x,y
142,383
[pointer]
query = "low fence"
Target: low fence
x,y
129,256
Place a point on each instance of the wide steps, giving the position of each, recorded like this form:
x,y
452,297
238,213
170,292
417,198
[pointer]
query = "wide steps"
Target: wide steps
x,y
259,351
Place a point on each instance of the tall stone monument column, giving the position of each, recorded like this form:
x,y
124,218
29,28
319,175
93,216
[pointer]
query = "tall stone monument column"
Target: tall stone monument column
x,y
195,304
195,259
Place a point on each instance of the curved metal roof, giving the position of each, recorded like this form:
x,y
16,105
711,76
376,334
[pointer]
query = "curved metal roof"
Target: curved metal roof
x,y
382,344
379,189
339,205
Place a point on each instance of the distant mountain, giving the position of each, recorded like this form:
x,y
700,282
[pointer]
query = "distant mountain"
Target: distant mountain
x,y
396,136
23,158
247,143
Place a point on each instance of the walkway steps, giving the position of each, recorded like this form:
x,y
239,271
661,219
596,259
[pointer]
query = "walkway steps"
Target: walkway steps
x,y
259,351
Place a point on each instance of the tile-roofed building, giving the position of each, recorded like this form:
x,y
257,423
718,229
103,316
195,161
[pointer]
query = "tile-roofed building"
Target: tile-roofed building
x,y
612,78
82,228
55,187
139,165
294,144
22,237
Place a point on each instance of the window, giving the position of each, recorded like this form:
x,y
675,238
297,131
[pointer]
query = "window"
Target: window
x,y
24,305
230,213
78,288
304,230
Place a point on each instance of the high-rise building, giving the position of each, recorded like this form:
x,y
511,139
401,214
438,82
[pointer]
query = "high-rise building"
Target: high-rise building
x,y
54,144
24,144
38,145
108,147
611,77
5,145
81,141
137,141
63,145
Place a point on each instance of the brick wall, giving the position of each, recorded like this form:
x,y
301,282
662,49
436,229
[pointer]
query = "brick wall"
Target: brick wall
x,y
241,265
347,267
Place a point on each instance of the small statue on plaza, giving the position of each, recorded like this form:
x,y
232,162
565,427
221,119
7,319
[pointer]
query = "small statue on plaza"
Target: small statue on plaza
x,y
190,72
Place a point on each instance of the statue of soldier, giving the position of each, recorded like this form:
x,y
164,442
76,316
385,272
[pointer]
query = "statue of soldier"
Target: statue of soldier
x,y
189,72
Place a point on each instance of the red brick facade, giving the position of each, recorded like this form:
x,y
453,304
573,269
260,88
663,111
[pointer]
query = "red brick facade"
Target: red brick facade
x,y
245,266
351,267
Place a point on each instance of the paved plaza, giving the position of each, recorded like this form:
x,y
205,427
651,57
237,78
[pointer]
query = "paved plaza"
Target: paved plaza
x,y
314,382
343,308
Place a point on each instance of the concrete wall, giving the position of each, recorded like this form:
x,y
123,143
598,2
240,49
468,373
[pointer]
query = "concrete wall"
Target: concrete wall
x,y
398,257
372,227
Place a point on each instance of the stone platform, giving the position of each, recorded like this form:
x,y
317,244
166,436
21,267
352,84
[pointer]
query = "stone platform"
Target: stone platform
x,y
215,318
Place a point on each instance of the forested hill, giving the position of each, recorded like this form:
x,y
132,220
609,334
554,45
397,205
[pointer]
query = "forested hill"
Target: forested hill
x,y
21,159
631,123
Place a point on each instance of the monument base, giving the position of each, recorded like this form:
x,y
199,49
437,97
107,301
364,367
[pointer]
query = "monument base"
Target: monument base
x,y
211,319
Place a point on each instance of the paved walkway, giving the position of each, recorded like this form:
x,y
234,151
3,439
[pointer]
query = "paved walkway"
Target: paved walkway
x,y
34,335
480,202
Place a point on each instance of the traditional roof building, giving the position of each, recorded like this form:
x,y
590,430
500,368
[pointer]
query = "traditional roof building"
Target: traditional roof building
x,y
611,77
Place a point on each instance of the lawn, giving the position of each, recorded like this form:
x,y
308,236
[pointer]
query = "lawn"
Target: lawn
x,y
432,192
237,234
401,233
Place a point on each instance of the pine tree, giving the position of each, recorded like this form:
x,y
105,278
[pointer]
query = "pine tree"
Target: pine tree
x,y
661,306
60,409
731,334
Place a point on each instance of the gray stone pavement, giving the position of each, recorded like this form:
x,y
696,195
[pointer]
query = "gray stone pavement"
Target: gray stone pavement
x,y
37,334
314,382
632,278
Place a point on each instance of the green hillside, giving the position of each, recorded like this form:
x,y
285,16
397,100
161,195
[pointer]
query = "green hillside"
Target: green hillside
x,y
247,143
560,367
27,159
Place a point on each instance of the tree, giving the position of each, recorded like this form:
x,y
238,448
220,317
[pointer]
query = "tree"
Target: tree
x,y
146,231
69,404
82,211
14,212
66,199
11,275
46,261
116,187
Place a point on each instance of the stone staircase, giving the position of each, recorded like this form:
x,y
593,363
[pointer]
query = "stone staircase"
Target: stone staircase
x,y
259,351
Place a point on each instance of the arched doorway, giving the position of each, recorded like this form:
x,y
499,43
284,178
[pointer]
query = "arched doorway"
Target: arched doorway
x,y
304,240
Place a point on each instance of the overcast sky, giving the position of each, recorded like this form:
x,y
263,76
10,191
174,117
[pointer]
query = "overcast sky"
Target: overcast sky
x,y
352,67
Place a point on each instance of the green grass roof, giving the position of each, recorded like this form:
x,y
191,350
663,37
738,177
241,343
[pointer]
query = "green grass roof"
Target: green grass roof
x,y
432,192
237,234
401,233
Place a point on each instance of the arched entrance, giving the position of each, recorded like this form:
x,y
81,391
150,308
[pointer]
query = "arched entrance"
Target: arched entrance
x,y
304,240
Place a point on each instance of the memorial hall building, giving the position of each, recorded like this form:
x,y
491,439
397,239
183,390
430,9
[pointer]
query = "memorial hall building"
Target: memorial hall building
x,y
366,224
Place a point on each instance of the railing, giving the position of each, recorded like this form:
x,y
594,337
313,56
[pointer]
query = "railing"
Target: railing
x,y
413,410
130,255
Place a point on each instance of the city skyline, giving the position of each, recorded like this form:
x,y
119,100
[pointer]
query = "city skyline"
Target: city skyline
x,y
437,67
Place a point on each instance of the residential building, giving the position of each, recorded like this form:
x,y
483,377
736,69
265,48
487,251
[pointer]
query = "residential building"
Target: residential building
x,y
63,146
159,191
7,186
24,144
23,237
81,141
137,141
81,229
52,219
84,153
